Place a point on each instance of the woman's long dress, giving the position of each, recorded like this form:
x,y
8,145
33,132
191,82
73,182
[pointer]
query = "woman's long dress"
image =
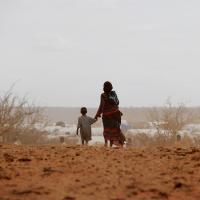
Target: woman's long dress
x,y
111,117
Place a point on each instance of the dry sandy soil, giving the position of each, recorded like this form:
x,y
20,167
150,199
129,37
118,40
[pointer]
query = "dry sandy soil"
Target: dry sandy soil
x,y
97,173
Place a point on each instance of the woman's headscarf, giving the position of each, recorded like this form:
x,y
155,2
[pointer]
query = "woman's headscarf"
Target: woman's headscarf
x,y
107,87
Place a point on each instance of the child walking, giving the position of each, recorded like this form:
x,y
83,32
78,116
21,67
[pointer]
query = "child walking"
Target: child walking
x,y
84,124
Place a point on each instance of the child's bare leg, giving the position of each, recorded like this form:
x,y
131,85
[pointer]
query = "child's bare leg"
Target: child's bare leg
x,y
121,144
106,143
82,142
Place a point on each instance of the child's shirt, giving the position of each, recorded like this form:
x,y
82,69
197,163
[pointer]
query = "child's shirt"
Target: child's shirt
x,y
84,123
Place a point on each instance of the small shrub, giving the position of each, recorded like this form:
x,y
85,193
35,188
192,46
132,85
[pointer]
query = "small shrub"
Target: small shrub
x,y
18,117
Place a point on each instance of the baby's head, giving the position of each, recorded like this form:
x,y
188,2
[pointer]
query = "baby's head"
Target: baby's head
x,y
83,110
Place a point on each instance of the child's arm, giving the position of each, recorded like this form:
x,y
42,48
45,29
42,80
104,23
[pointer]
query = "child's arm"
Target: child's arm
x,y
78,126
77,131
92,120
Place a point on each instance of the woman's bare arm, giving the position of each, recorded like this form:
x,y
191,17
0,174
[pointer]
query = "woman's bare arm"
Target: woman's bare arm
x,y
100,109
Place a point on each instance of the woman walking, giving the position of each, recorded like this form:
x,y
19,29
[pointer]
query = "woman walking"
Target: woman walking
x,y
111,116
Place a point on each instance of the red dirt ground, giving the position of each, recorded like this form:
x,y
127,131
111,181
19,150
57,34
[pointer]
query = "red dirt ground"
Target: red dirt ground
x,y
97,173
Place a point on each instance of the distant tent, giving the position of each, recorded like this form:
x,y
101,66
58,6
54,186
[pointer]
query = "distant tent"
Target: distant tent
x,y
60,123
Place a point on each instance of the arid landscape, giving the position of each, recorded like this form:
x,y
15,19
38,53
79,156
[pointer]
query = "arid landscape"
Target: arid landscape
x,y
84,173
99,100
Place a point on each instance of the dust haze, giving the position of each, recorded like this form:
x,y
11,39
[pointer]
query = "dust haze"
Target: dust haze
x,y
61,52
55,56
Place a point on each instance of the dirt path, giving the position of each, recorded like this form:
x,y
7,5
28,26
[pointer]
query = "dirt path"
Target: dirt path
x,y
95,173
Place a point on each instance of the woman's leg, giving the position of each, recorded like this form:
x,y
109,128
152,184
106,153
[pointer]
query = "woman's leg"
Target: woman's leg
x,y
111,143
82,141
104,134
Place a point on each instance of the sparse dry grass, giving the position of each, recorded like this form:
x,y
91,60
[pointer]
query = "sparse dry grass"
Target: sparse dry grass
x,y
162,140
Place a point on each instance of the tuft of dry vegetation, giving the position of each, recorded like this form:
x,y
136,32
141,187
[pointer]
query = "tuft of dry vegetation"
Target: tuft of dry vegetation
x,y
168,125
161,140
18,119
171,119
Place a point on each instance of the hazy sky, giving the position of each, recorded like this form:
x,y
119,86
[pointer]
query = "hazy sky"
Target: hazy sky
x,y
61,51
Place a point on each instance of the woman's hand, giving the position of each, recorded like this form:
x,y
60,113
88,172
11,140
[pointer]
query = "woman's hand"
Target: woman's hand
x,y
97,116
